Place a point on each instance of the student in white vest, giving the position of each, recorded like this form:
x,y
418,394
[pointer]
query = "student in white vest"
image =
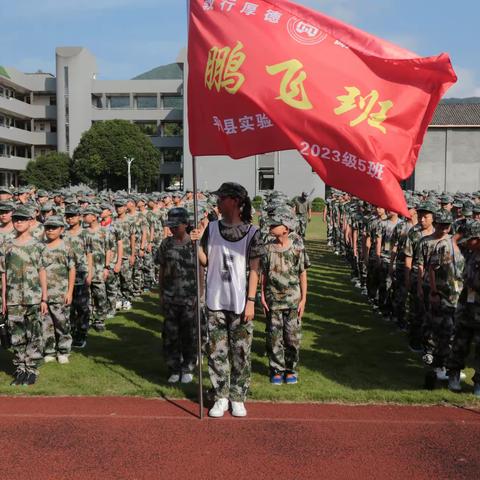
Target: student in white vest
x,y
230,249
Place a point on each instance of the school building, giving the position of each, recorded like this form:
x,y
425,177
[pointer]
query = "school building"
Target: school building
x,y
41,112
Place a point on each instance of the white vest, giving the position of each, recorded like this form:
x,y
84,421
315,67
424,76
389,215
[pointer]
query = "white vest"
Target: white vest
x,y
227,270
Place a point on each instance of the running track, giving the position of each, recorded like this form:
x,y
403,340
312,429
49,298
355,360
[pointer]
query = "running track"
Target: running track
x,y
134,438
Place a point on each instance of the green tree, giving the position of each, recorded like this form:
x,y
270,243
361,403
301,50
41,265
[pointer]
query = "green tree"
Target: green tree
x,y
50,171
99,159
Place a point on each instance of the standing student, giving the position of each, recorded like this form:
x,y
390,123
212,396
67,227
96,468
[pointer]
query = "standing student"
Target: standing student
x,y
59,262
24,291
284,294
178,292
231,249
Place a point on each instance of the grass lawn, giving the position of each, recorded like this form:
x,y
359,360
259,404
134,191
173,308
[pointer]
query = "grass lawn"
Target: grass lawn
x,y
348,353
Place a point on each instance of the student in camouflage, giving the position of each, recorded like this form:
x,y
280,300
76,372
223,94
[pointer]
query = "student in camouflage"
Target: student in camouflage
x,y
446,282
125,228
178,294
59,261
7,232
303,209
98,241
75,236
232,248
397,266
284,294
25,297
140,222
414,278
467,316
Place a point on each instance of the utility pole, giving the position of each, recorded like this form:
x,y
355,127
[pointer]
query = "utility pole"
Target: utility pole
x,y
129,162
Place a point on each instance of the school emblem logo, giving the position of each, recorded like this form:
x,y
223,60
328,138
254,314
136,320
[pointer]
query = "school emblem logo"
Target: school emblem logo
x,y
305,33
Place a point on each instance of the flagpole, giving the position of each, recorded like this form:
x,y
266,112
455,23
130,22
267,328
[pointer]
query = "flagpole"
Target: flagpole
x,y
198,312
198,308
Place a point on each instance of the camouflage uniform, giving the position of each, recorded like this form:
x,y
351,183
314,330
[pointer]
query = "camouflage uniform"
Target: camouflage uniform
x,y
22,264
56,325
141,225
399,288
385,231
80,308
177,261
467,321
125,227
373,266
98,243
230,337
448,266
282,269
302,206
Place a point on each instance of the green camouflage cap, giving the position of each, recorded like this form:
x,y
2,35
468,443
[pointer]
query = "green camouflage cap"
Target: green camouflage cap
x,y
24,212
472,230
22,190
476,209
42,193
54,221
106,206
443,217
5,190
46,207
177,216
231,189
444,199
430,207
72,210
91,210
120,201
7,207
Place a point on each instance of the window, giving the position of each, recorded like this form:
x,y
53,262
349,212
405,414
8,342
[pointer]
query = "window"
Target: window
x,y
173,102
65,74
266,179
119,101
148,128
53,100
97,101
172,154
146,101
172,129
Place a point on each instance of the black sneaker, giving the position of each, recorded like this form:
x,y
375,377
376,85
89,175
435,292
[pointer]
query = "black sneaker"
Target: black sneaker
x,y
79,343
30,379
430,380
19,377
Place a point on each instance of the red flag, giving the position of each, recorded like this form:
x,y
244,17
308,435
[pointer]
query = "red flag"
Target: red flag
x,y
270,75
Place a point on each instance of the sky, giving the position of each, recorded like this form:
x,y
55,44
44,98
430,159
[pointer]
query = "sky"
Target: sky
x,y
129,37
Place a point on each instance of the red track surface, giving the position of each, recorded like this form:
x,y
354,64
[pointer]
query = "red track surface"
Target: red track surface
x,y
134,438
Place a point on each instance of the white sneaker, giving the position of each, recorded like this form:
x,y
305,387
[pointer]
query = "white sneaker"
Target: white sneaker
x,y
173,378
238,409
187,378
63,359
462,376
441,373
126,305
49,358
118,304
219,408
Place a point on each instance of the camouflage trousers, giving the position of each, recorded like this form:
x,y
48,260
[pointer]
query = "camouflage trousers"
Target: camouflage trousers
x,y
384,288
229,362
283,340
112,287
80,310
302,225
125,280
56,330
148,270
137,275
438,330
99,301
467,332
179,338
418,309
25,326
399,294
373,279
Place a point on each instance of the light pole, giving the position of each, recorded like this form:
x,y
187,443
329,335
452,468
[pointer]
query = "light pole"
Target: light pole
x,y
129,162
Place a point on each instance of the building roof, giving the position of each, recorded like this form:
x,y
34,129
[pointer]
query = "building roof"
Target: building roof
x,y
172,71
457,114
